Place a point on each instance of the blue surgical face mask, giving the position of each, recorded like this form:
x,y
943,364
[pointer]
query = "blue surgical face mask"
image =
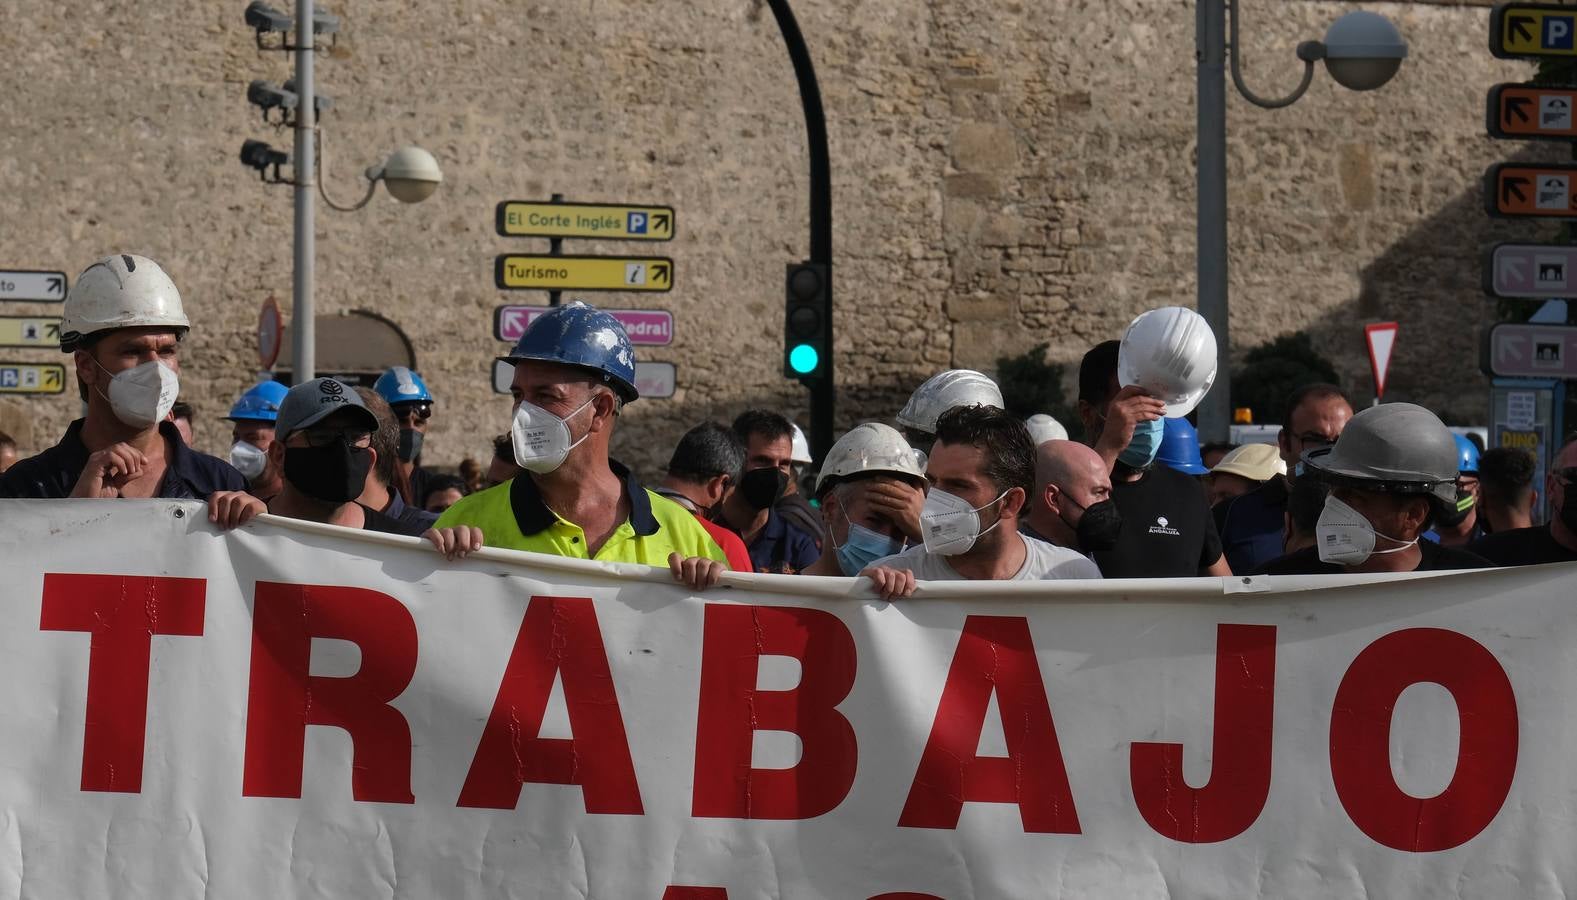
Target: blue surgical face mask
x,y
1146,443
862,547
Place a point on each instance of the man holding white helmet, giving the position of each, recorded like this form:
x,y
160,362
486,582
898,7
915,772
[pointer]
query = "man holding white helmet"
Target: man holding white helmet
x,y
1392,471
859,532
1163,367
981,471
123,323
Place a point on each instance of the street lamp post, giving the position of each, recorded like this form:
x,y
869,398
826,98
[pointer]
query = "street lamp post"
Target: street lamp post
x,y
1361,50
410,173
303,331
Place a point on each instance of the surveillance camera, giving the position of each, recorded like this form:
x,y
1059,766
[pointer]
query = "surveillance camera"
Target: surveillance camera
x,y
1363,50
410,173
267,96
320,102
324,22
260,156
263,18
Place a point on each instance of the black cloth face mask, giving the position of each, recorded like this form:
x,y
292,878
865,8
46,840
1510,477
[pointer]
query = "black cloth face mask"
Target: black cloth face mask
x,y
761,488
336,473
1101,525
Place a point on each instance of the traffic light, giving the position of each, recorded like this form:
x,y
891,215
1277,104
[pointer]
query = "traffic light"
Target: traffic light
x,y
807,322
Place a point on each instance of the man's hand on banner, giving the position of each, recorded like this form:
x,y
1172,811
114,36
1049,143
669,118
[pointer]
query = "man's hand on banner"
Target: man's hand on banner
x,y
891,584
456,541
232,509
696,573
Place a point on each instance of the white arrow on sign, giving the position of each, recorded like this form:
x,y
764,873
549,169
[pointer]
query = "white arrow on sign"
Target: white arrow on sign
x,y
24,285
1509,271
1510,349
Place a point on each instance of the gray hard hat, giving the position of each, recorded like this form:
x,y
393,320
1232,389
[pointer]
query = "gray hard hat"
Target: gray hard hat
x,y
1396,447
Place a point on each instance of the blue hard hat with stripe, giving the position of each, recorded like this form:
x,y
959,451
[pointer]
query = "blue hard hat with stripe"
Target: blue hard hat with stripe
x,y
401,385
1467,455
260,403
580,335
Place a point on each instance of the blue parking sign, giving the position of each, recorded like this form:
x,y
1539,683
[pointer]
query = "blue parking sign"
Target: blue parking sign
x,y
10,378
1557,34
636,223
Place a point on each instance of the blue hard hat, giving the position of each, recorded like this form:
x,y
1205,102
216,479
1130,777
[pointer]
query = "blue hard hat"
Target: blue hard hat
x,y
260,403
400,385
1467,455
1180,448
584,336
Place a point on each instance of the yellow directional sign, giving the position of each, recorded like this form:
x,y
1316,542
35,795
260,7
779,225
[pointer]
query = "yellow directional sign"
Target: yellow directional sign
x,y
542,272
29,331
1532,29
613,221
32,378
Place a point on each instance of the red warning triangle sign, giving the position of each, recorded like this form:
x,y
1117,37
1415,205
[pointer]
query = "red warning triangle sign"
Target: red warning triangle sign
x,y
1382,339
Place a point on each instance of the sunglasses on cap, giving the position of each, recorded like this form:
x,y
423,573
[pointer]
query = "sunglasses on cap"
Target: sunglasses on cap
x,y
423,411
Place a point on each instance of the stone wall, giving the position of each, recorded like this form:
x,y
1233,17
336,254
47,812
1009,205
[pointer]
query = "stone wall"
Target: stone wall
x,y
1006,173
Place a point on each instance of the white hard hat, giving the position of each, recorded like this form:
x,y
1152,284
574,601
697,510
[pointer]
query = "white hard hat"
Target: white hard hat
x,y
869,448
120,291
1043,428
942,392
799,450
1171,353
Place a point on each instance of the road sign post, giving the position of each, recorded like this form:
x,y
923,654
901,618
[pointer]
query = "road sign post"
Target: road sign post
x,y
30,331
607,221
1530,351
1515,190
649,327
544,272
1531,271
1531,112
32,378
1524,30
1381,337
32,286
270,330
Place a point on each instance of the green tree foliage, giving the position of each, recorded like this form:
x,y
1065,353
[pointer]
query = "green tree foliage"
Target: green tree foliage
x,y
1032,385
1271,372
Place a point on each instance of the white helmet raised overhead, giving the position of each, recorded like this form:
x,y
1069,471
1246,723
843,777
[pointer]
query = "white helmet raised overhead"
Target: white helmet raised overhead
x,y
1043,428
1171,353
943,391
869,448
120,291
799,449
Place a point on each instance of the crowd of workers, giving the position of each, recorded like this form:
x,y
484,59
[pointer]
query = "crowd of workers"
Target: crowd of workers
x,y
958,490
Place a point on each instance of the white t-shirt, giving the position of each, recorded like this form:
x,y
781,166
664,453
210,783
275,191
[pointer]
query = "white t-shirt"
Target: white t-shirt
x,y
1042,562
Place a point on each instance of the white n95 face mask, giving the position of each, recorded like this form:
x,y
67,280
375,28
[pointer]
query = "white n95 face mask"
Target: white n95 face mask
x,y
247,459
142,395
1345,538
949,525
541,439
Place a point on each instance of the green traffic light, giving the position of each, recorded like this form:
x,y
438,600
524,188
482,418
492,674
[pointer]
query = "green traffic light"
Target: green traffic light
x,y
804,359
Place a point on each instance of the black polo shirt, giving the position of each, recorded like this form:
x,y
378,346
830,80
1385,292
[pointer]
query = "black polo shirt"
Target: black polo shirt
x,y
188,474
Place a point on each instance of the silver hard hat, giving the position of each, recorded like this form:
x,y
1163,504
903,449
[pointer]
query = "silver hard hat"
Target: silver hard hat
x,y
1396,447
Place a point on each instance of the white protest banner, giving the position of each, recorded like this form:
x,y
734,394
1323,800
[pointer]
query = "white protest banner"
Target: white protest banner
x,y
300,711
